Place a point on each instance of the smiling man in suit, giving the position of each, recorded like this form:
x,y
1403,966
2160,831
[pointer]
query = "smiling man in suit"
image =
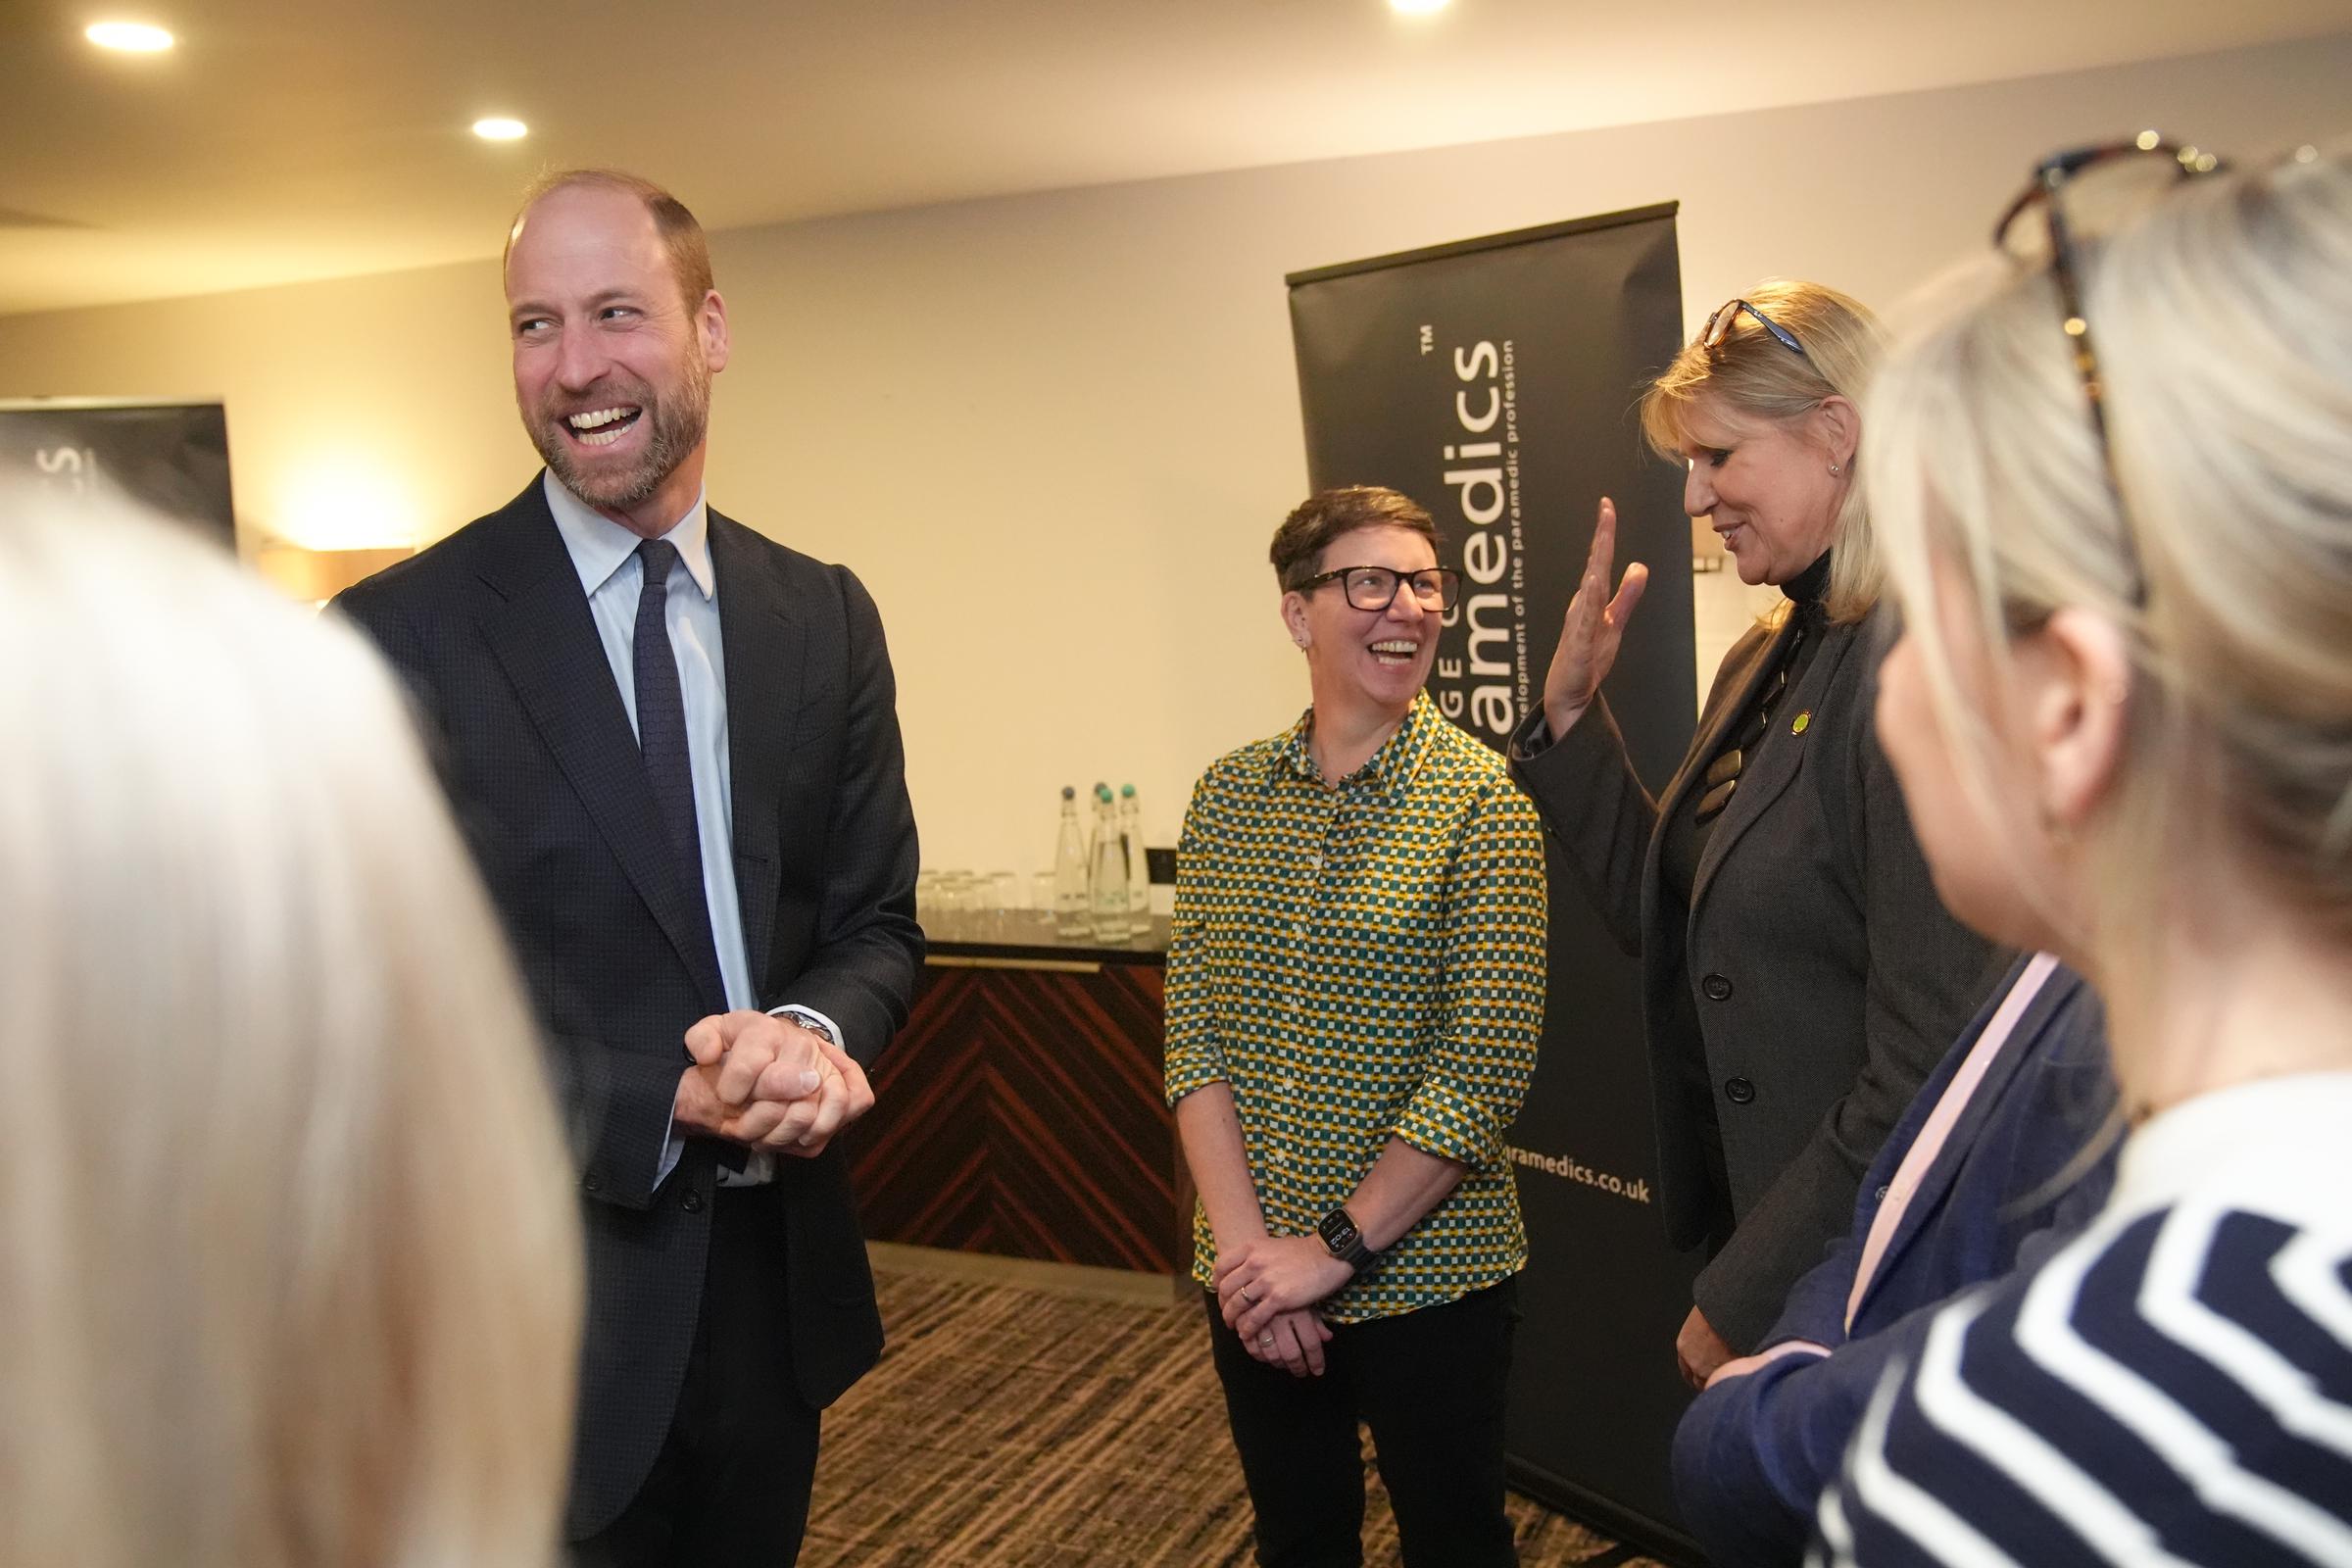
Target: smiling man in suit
x,y
675,747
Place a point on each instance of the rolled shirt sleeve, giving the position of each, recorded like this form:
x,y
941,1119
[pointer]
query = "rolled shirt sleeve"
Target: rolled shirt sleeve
x,y
1495,961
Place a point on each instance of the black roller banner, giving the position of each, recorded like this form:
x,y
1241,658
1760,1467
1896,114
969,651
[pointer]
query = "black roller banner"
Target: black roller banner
x,y
1495,381
170,458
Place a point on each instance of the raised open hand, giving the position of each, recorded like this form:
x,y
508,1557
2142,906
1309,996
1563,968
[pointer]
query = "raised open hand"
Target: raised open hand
x,y
1593,628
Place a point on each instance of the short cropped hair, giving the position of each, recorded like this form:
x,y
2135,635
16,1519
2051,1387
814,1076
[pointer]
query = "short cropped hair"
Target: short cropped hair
x,y
1297,550
683,237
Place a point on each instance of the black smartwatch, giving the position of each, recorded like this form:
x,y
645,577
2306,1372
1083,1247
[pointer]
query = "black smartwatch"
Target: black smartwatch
x,y
1343,1241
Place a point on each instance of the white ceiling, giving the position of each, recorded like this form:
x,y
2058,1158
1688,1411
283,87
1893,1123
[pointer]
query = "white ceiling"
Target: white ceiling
x,y
283,141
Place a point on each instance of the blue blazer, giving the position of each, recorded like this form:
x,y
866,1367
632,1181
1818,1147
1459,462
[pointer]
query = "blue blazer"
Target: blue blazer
x,y
1754,1453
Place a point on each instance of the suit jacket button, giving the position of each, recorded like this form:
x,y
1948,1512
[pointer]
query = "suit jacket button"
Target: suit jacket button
x,y
1717,987
591,1184
692,1202
1739,1091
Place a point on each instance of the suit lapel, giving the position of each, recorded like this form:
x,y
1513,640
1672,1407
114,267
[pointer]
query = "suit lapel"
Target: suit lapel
x,y
1777,756
545,639
1731,702
763,636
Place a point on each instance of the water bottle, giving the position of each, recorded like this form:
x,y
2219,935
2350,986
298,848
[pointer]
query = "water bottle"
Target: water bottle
x,y
1139,872
1107,885
1070,915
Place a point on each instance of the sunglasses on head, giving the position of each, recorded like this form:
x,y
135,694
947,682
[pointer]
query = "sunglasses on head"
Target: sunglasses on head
x,y
2088,189
1719,326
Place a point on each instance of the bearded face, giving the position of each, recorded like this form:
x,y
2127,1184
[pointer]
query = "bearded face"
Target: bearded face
x,y
614,444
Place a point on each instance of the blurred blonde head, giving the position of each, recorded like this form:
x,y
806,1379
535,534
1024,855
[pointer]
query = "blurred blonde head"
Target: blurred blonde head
x,y
292,1274
1751,377
2223,322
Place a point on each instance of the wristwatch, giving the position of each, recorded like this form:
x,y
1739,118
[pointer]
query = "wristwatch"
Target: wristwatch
x,y
1343,1240
813,1025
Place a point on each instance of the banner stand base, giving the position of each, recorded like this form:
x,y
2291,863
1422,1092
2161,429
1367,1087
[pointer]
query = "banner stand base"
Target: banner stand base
x,y
1588,1507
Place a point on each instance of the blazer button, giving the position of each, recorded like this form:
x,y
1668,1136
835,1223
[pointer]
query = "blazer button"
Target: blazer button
x,y
1717,987
1739,1091
591,1184
692,1202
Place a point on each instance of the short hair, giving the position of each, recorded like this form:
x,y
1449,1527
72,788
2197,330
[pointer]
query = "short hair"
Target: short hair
x,y
294,1267
1752,375
682,238
2224,322
1297,550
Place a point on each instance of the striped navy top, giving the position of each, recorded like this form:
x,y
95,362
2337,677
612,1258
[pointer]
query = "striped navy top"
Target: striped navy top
x,y
2175,1387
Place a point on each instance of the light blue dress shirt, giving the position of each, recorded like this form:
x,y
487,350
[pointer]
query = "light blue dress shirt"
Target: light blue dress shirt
x,y
612,575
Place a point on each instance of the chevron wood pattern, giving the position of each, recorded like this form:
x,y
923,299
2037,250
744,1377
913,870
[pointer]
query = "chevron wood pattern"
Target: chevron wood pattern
x,y
1018,1113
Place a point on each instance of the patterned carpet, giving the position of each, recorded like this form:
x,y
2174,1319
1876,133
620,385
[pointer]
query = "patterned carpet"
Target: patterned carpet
x,y
1012,1428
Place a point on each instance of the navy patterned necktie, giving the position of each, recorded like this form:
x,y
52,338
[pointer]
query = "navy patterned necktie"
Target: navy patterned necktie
x,y
662,723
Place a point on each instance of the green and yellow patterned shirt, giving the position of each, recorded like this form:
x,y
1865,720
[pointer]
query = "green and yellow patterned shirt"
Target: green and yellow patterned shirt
x,y
1363,962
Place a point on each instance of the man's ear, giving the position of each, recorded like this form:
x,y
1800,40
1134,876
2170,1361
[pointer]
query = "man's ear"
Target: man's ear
x,y
2075,677
711,322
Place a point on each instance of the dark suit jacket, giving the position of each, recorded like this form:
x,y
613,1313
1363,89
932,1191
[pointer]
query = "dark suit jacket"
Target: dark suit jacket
x,y
495,638
1826,977
2028,1163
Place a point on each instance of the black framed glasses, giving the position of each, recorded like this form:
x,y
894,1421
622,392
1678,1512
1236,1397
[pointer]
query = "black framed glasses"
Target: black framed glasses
x,y
2101,185
1727,314
1374,588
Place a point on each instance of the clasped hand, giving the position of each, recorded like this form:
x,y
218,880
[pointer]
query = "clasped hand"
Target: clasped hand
x,y
1266,1285
768,1082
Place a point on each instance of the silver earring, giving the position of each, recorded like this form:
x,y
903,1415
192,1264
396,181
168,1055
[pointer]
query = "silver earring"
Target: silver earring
x,y
1836,469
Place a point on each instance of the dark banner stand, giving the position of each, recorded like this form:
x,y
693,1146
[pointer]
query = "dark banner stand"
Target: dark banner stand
x,y
1495,382
172,458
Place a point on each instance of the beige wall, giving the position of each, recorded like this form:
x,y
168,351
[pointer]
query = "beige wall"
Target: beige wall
x,y
1054,432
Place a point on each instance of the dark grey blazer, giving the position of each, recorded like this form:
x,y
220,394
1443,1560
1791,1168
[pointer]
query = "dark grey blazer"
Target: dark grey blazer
x,y
1826,977
496,641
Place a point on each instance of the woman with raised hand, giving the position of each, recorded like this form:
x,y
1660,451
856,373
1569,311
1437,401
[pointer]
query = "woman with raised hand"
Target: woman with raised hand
x,y
292,1272
1355,987
2115,485
1800,978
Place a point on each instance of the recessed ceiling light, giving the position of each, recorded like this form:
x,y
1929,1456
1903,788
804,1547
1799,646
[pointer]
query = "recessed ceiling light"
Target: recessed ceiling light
x,y
133,37
500,128
1418,8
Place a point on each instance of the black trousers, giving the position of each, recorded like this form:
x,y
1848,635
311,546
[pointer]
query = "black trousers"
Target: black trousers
x,y
1431,1386
731,1482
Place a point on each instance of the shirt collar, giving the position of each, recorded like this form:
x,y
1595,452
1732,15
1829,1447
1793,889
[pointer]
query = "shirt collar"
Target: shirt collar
x,y
2280,1139
1389,769
599,545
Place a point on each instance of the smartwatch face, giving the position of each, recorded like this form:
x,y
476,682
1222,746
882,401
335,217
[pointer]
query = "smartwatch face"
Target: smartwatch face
x,y
1338,1231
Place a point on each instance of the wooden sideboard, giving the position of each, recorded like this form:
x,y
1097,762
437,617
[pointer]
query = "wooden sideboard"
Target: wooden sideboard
x,y
1018,1113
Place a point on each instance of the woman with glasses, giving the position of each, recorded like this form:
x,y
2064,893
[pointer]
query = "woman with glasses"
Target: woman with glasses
x,y
2115,483
1800,978
1355,990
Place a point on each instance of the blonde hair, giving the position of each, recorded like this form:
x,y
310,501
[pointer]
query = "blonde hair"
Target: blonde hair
x,y
293,1274
2223,323
1752,375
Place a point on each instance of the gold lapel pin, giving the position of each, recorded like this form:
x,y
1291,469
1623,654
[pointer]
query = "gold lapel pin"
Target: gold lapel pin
x,y
1797,727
